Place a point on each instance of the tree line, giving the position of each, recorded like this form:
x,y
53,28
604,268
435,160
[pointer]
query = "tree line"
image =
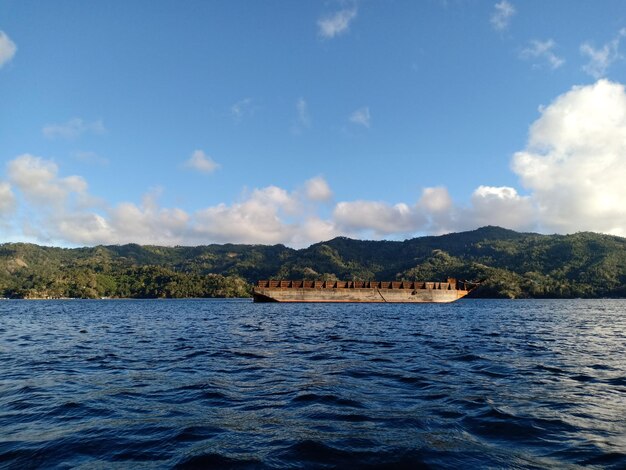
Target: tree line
x,y
511,264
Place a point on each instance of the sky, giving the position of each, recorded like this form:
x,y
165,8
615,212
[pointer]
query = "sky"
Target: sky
x,y
293,122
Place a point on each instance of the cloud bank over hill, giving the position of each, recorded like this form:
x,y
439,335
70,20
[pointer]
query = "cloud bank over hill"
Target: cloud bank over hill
x,y
575,161
572,170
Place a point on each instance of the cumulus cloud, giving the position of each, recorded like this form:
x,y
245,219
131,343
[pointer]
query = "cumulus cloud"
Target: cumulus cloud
x,y
38,180
501,206
361,117
201,162
82,228
602,58
123,223
575,161
314,229
317,189
377,218
73,129
7,48
50,201
276,197
147,223
436,199
543,50
336,24
437,205
60,209
246,222
260,217
7,199
573,170
264,215
502,14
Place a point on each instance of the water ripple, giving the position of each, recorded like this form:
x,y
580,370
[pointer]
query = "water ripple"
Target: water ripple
x,y
231,384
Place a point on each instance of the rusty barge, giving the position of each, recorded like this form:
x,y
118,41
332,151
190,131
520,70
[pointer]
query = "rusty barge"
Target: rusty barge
x,y
360,291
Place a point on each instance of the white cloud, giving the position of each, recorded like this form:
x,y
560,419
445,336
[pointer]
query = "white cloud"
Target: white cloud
x,y
378,218
438,207
73,129
259,218
488,205
124,223
337,23
50,202
37,179
502,14
82,228
436,199
361,116
543,50
7,199
575,161
276,197
242,108
267,215
314,229
501,206
60,210
147,223
248,222
7,48
601,59
317,189
200,161
573,169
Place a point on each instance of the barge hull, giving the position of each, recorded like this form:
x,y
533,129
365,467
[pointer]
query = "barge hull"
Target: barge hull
x,y
286,291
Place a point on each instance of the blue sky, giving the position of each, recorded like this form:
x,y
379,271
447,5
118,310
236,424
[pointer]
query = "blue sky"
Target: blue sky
x,y
196,122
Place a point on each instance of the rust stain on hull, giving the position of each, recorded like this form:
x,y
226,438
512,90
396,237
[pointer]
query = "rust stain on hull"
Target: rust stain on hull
x,y
360,291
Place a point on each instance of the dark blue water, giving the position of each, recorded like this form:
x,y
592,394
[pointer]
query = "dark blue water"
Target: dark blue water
x,y
231,384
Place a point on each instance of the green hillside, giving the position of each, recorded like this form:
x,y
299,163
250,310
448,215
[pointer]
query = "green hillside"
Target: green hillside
x,y
514,265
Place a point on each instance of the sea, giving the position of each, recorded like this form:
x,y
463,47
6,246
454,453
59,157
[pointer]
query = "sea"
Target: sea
x,y
106,384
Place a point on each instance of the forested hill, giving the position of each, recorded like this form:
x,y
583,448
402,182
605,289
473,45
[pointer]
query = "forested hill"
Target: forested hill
x,y
515,265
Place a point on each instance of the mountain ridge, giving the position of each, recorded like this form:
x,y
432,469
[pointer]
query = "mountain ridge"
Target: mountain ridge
x,y
514,264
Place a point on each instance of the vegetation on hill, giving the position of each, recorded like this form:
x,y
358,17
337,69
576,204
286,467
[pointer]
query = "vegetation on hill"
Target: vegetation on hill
x,y
512,264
